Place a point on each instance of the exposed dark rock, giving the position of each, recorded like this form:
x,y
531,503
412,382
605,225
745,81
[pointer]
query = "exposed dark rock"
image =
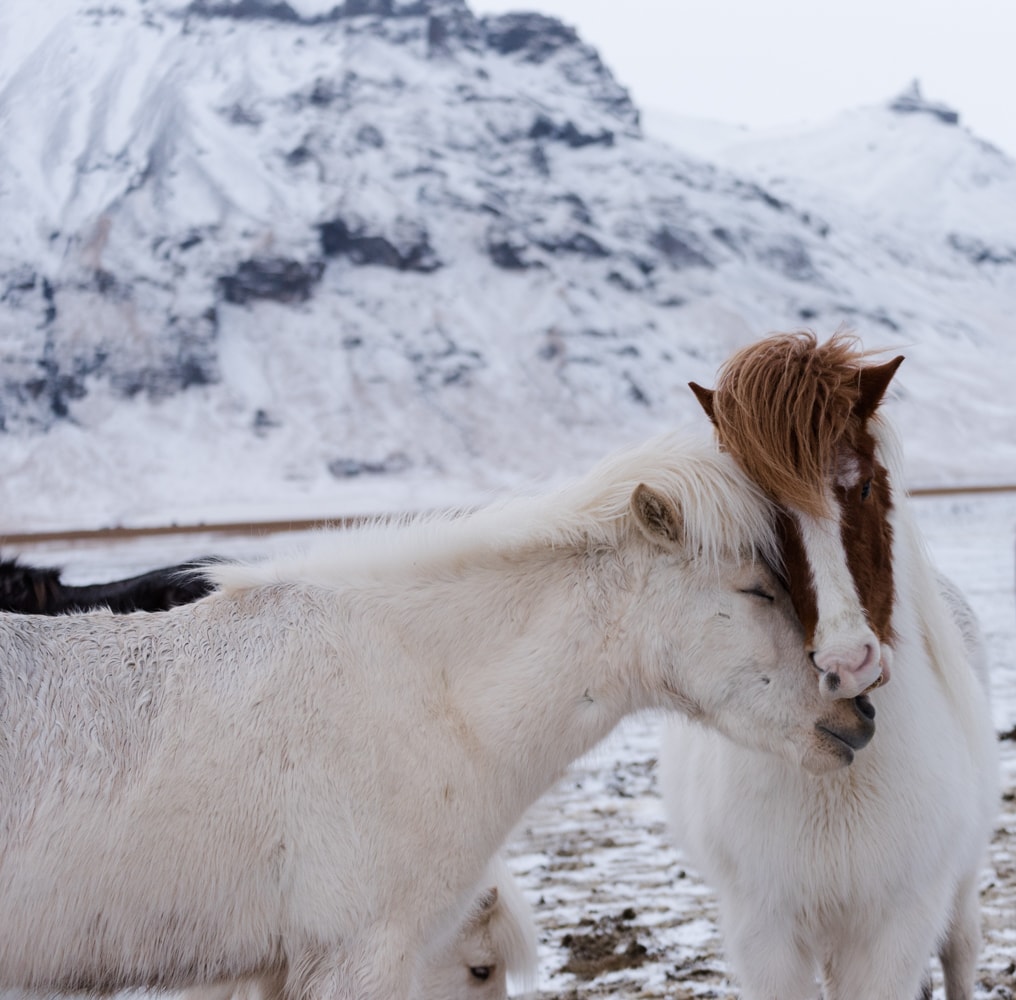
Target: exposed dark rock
x,y
504,254
107,285
533,37
263,422
577,243
568,133
450,25
911,101
239,115
349,468
49,296
61,378
55,389
23,279
761,194
298,156
277,278
158,382
371,137
539,161
979,252
275,10
789,256
678,249
635,392
440,362
337,239
243,10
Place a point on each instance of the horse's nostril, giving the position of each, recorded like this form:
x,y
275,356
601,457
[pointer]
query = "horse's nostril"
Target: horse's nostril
x,y
864,706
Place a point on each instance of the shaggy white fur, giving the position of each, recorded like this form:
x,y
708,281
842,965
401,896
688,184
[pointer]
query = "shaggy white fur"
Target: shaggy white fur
x,y
853,879
311,768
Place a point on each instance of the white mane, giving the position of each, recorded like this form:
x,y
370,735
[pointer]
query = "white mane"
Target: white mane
x,y
723,511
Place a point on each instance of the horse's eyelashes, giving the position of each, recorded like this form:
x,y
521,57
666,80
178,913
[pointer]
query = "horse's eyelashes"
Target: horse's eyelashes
x,y
759,592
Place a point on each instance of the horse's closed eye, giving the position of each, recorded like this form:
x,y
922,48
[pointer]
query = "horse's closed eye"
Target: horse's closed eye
x,y
759,592
481,972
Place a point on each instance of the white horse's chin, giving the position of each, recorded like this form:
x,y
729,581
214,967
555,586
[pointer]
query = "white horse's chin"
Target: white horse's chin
x,y
819,759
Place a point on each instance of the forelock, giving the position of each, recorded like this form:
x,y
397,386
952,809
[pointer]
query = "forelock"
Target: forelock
x,y
783,405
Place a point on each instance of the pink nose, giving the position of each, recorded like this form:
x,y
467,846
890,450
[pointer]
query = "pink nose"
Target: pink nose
x,y
847,672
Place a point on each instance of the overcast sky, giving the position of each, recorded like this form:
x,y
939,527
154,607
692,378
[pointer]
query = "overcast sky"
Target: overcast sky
x,y
778,62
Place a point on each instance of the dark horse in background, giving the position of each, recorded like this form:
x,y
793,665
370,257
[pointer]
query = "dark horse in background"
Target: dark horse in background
x,y
35,590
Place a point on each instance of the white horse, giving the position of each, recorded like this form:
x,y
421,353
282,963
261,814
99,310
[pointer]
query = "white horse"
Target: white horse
x,y
310,768
494,942
854,879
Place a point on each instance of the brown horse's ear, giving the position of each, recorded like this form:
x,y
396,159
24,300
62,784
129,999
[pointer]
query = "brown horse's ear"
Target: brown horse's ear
x,y
705,397
874,380
658,518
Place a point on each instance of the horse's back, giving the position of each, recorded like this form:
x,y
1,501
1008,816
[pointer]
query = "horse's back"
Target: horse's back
x,y
136,793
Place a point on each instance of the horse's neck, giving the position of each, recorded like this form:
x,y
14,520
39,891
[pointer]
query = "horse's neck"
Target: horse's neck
x,y
929,637
537,685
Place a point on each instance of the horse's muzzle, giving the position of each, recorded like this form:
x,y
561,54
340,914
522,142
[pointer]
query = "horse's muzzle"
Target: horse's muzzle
x,y
849,729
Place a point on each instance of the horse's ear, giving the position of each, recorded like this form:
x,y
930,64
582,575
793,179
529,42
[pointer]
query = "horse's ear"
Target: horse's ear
x,y
657,517
482,910
705,398
874,380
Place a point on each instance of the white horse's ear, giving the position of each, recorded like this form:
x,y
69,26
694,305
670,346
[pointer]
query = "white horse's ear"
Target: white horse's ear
x,y
482,911
657,516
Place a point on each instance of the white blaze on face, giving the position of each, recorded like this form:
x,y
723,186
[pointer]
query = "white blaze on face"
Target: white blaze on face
x,y
845,649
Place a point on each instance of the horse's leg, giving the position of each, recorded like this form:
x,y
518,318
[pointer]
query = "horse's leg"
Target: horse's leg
x,y
766,956
962,943
889,963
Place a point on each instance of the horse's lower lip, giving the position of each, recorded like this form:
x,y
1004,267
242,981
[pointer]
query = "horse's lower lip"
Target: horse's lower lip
x,y
865,707
835,747
847,739
840,744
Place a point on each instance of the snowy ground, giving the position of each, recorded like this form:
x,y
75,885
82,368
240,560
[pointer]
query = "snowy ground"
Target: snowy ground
x,y
619,913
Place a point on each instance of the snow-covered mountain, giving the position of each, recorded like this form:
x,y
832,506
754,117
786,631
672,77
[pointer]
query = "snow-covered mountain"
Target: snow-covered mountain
x,y
263,257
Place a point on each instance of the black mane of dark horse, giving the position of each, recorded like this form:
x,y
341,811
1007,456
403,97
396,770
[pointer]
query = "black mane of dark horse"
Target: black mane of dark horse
x,y
34,590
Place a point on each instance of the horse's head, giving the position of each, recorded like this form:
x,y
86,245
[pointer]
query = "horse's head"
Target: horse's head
x,y
29,590
496,940
728,615
796,415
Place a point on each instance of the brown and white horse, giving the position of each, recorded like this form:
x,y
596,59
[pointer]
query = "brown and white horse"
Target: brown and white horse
x,y
845,882
796,415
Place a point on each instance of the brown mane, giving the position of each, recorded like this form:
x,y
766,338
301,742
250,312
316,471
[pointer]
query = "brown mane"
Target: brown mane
x,y
783,405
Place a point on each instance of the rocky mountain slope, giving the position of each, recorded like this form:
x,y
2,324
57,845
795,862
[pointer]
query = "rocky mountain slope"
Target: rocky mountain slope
x,y
316,258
